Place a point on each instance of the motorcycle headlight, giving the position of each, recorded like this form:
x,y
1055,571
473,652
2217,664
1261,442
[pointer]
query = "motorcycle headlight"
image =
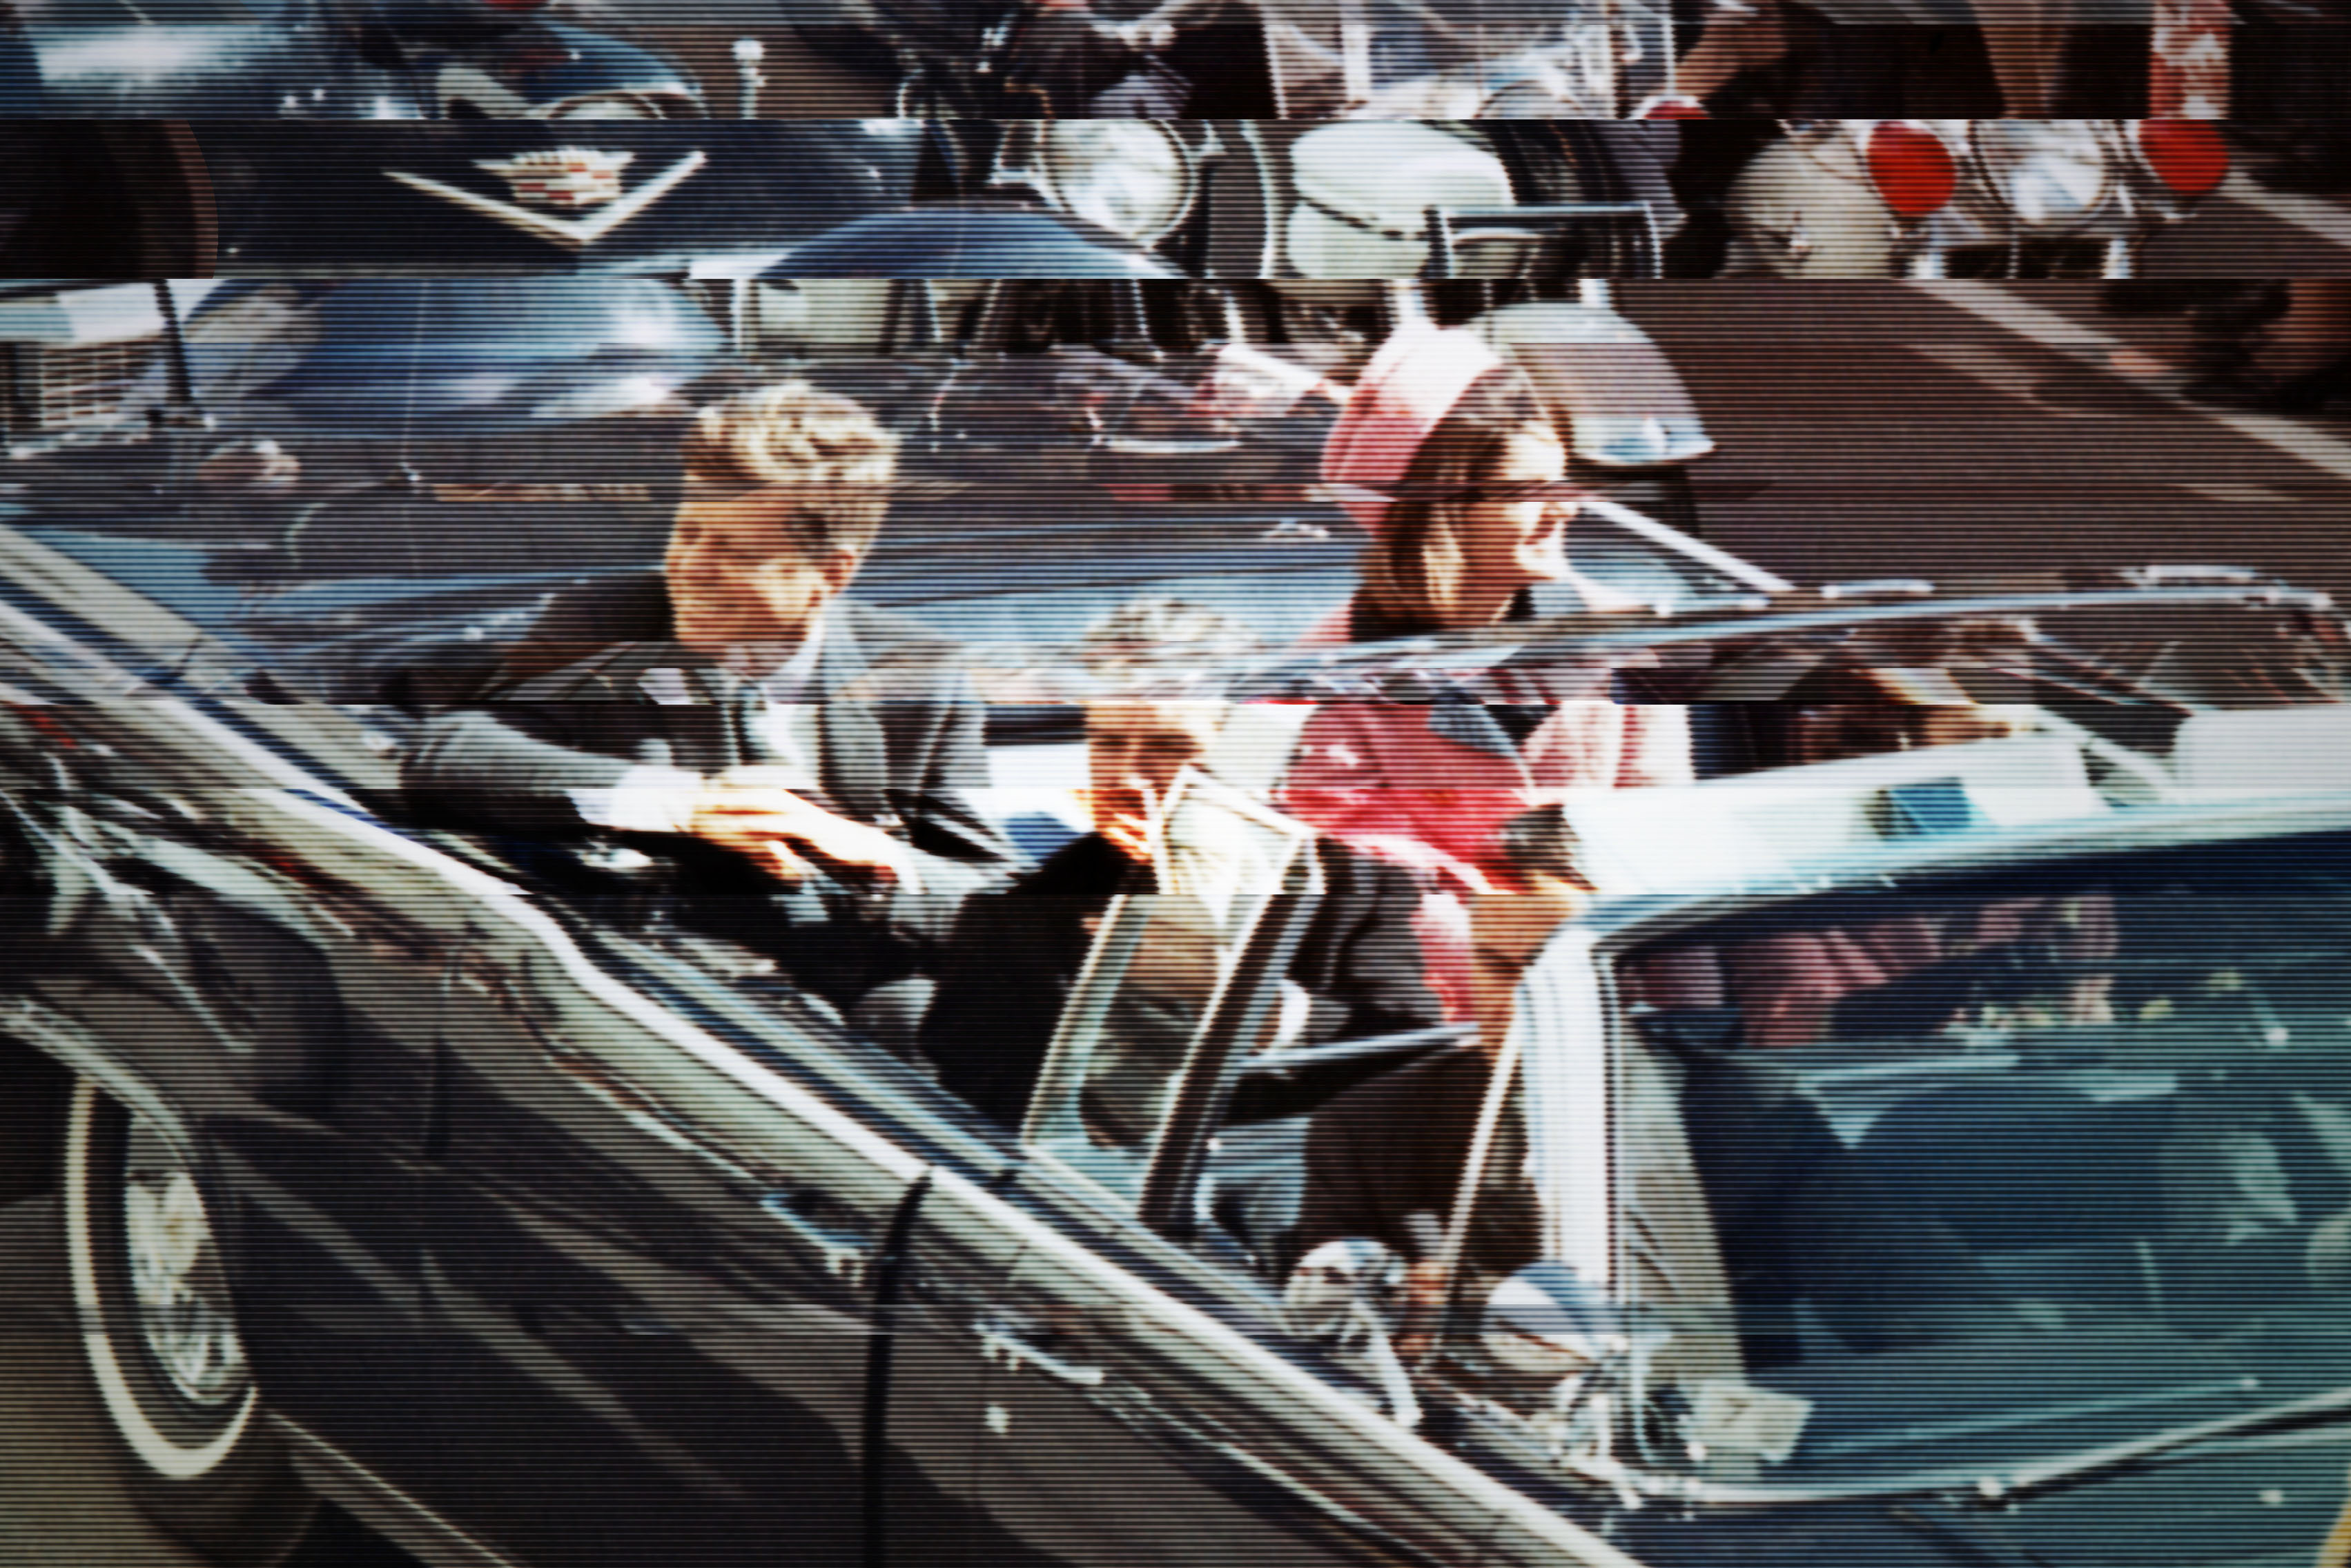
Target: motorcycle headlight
x,y
2048,173
1133,177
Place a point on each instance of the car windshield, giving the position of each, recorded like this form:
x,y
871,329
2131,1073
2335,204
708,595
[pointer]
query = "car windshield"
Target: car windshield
x,y
2004,1167
1331,53
287,202
2124,662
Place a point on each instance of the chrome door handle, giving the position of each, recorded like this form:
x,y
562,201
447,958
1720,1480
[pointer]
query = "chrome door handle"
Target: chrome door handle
x,y
1008,1350
1144,447
845,1256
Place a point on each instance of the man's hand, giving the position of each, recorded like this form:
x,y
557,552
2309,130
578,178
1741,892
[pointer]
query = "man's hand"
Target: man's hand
x,y
747,811
1129,835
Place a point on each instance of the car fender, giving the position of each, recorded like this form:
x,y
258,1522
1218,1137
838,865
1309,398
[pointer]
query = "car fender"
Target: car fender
x,y
536,71
83,1050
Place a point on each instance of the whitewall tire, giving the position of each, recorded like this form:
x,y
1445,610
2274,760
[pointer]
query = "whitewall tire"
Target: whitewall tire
x,y
159,1335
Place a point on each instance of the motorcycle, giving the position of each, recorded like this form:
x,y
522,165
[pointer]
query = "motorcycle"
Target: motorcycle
x,y
331,59
1349,199
1346,199
1322,59
1946,198
1479,59
969,59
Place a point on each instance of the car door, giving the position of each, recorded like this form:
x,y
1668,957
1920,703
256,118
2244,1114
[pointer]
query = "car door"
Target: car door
x,y
1144,1402
650,1258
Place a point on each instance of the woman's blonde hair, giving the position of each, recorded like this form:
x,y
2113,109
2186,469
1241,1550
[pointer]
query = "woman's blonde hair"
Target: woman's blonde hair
x,y
825,449
1412,575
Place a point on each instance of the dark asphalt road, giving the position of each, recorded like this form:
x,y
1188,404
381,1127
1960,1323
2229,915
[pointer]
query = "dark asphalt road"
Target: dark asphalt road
x,y
1875,429
62,1503
2245,231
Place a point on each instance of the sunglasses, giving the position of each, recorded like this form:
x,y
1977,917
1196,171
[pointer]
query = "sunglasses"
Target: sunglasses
x,y
1525,490
1511,490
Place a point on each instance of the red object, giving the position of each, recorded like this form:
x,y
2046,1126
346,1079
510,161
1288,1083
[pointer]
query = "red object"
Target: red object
x,y
48,727
1912,171
1401,398
2187,60
2187,155
1373,774
1676,109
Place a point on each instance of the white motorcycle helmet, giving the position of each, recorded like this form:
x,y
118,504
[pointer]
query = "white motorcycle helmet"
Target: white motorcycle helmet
x,y
1365,189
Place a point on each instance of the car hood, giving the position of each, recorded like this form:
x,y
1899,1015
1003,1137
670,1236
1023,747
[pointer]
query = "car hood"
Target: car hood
x,y
415,200
1988,1408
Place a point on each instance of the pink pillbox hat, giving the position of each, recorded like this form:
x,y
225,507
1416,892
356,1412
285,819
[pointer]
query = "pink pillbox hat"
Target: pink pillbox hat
x,y
1411,384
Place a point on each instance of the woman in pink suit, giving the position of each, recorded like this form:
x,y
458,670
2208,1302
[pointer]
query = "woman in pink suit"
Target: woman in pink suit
x,y
1444,455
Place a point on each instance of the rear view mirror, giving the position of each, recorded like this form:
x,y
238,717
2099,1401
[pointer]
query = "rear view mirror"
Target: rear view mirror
x,y
1349,1294
1548,1322
1546,1318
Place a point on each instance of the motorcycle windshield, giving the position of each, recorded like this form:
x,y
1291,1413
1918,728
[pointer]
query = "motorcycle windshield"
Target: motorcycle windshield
x,y
1413,59
1605,383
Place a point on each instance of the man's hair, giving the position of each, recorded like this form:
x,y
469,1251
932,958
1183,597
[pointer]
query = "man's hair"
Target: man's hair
x,y
824,450
1159,632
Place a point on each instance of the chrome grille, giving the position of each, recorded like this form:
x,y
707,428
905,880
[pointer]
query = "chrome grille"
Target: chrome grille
x,y
53,389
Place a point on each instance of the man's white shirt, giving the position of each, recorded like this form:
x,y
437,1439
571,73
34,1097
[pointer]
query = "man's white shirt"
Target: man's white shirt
x,y
782,732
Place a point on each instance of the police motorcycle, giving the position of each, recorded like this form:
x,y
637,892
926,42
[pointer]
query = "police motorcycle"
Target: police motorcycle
x,y
330,59
1485,59
1027,97
1350,199
1029,59
1294,59
1937,198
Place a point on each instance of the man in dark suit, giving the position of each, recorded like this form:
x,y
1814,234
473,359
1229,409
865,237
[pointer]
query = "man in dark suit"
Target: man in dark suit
x,y
800,756
1011,961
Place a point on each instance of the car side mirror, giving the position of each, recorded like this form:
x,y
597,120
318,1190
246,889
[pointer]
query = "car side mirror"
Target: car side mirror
x,y
1549,1321
1348,1294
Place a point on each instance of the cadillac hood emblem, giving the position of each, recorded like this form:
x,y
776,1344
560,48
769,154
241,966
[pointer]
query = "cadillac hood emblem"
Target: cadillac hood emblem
x,y
562,177
548,181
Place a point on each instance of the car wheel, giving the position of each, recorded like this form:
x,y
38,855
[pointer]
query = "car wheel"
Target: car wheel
x,y
159,1334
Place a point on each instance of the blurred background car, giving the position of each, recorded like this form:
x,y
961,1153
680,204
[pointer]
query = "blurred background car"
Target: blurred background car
x,y
333,59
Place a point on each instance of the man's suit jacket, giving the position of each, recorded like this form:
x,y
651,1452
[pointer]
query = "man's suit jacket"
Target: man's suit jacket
x,y
598,687
1011,961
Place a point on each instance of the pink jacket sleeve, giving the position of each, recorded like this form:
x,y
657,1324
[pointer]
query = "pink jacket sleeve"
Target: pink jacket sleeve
x,y
1656,746
1611,745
